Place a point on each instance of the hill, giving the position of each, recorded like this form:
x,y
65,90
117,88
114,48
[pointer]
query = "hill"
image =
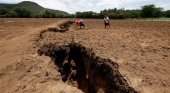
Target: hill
x,y
31,6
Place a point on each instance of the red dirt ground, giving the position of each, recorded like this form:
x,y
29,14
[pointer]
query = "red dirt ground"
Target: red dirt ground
x,y
141,49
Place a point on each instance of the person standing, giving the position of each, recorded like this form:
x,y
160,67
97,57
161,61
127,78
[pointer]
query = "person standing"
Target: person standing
x,y
106,21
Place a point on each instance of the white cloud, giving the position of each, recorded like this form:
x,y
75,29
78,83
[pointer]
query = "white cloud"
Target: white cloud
x,y
72,6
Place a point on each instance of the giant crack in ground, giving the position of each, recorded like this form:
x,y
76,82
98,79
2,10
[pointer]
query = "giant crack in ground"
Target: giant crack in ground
x,y
80,67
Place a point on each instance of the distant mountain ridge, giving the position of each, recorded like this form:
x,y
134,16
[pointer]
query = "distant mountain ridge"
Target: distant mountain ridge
x,y
32,6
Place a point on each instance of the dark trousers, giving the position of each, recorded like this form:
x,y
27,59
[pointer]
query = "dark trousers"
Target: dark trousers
x,y
82,24
106,24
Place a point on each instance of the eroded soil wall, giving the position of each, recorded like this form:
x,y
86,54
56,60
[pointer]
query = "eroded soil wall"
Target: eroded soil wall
x,y
80,67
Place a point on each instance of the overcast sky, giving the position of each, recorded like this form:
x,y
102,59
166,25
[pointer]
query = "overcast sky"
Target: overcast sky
x,y
71,6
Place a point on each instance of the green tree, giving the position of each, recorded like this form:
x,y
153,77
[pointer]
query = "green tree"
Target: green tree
x,y
49,14
22,12
167,13
150,11
133,13
3,13
78,14
11,14
158,12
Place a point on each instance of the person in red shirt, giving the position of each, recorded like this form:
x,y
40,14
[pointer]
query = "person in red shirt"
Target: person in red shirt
x,y
79,23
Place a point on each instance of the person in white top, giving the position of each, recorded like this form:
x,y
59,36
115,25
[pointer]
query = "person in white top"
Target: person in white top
x,y
106,21
82,24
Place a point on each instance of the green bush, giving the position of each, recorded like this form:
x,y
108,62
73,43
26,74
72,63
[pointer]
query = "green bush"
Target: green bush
x,y
22,12
167,13
48,14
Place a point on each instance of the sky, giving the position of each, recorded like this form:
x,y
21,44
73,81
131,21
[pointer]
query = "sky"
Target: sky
x,y
72,6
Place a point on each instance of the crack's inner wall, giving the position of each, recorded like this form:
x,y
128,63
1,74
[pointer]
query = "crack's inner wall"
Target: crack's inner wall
x,y
80,67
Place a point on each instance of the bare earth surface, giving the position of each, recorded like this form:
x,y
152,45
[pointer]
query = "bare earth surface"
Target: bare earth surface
x,y
141,49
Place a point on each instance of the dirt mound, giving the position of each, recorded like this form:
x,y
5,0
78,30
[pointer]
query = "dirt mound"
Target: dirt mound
x,y
80,67
63,27
66,24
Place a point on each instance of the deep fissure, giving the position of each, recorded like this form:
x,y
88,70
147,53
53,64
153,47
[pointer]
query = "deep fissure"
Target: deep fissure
x,y
81,68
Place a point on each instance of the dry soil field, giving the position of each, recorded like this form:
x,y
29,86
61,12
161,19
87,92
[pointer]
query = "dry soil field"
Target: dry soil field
x,y
138,52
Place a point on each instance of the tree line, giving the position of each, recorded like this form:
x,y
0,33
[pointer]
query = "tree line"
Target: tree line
x,y
147,11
